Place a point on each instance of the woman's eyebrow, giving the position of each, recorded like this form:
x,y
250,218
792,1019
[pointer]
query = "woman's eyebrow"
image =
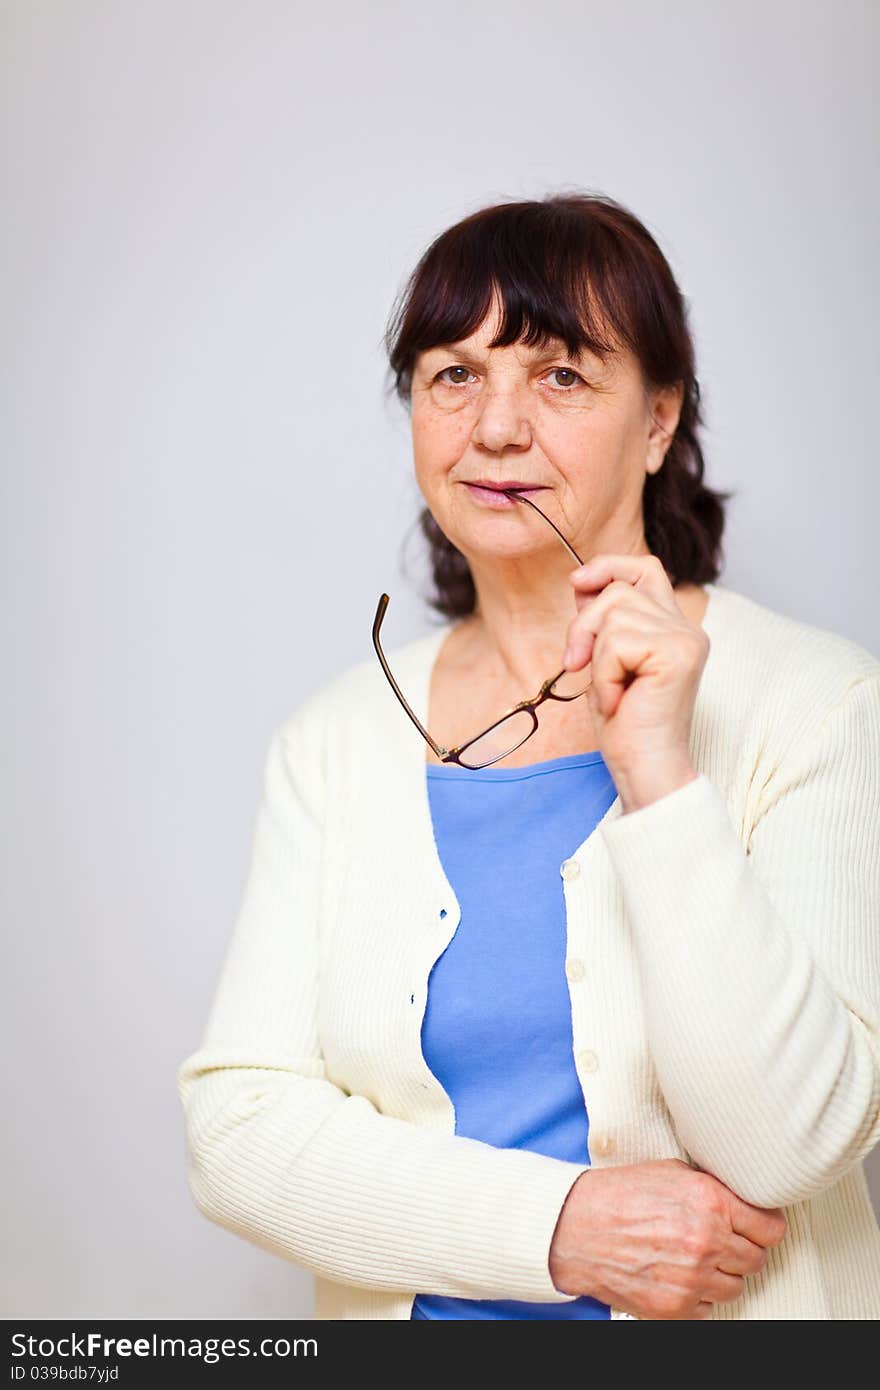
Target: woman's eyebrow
x,y
552,349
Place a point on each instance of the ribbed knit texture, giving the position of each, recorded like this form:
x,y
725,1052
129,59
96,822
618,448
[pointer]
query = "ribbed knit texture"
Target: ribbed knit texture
x,y
730,989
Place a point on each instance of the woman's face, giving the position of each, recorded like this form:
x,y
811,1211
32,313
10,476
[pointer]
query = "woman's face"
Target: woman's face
x,y
579,430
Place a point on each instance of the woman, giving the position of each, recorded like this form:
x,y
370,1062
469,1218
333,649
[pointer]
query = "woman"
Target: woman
x,y
574,1015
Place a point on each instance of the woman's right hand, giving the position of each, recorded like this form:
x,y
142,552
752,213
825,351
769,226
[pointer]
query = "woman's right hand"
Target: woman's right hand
x,y
659,1239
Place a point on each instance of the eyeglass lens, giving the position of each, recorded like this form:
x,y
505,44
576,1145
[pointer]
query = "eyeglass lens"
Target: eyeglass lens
x,y
498,742
513,731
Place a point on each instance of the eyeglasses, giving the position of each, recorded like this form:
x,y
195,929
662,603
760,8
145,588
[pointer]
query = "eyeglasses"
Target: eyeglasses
x,y
519,723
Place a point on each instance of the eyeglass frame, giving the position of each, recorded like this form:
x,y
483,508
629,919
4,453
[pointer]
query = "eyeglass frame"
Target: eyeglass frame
x,y
453,755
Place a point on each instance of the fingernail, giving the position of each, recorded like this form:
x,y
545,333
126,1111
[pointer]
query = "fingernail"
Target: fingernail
x,y
568,658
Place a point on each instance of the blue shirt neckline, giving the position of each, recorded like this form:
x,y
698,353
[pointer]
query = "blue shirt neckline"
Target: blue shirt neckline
x,y
512,774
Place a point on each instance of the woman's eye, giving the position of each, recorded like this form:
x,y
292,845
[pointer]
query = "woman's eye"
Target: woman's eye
x,y
567,372
459,381
458,376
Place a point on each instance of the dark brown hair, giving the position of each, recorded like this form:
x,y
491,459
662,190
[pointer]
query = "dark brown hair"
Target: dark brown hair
x,y
571,266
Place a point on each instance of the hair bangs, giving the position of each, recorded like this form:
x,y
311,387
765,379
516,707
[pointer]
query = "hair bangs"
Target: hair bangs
x,y
549,282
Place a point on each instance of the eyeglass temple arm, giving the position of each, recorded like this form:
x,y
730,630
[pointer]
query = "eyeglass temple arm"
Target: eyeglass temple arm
x,y
377,623
520,497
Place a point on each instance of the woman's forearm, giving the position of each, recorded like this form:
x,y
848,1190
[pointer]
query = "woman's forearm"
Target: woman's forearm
x,y
760,972
317,1176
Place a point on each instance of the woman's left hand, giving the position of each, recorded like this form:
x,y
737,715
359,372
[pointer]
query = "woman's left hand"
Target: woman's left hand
x,y
647,659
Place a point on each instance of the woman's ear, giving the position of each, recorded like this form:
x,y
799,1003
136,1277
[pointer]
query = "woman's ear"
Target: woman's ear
x,y
664,409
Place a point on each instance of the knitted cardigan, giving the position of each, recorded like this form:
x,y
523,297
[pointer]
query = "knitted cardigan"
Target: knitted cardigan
x,y
723,965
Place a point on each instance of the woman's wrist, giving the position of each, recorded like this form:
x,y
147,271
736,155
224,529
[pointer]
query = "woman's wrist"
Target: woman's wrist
x,y
562,1251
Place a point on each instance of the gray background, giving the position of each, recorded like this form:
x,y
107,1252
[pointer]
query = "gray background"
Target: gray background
x,y
209,208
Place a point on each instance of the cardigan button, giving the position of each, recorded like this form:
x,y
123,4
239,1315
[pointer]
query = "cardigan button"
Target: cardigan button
x,y
574,968
570,868
588,1060
601,1144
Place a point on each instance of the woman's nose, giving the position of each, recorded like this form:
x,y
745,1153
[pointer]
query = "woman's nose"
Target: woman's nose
x,y
503,421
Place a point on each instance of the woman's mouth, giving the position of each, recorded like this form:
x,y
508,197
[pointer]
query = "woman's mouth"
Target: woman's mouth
x,y
494,497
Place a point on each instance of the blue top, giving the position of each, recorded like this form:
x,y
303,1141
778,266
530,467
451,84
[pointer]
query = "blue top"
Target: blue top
x,y
497,1027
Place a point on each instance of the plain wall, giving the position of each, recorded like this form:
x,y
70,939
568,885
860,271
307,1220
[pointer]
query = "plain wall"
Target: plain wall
x,y
209,209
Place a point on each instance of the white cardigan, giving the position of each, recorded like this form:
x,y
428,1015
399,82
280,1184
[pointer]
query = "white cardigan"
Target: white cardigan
x,y
723,966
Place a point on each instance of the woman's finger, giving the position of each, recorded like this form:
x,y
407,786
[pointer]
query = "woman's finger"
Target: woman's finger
x,y
645,573
725,1288
742,1256
617,599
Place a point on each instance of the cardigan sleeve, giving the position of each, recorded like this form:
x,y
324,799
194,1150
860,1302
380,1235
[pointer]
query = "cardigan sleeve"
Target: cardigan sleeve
x,y
760,963
284,1158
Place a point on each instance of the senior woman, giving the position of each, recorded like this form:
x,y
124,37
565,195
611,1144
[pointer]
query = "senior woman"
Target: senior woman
x,y
555,987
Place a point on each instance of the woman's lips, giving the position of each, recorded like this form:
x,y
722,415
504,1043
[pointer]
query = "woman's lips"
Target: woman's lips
x,y
492,497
